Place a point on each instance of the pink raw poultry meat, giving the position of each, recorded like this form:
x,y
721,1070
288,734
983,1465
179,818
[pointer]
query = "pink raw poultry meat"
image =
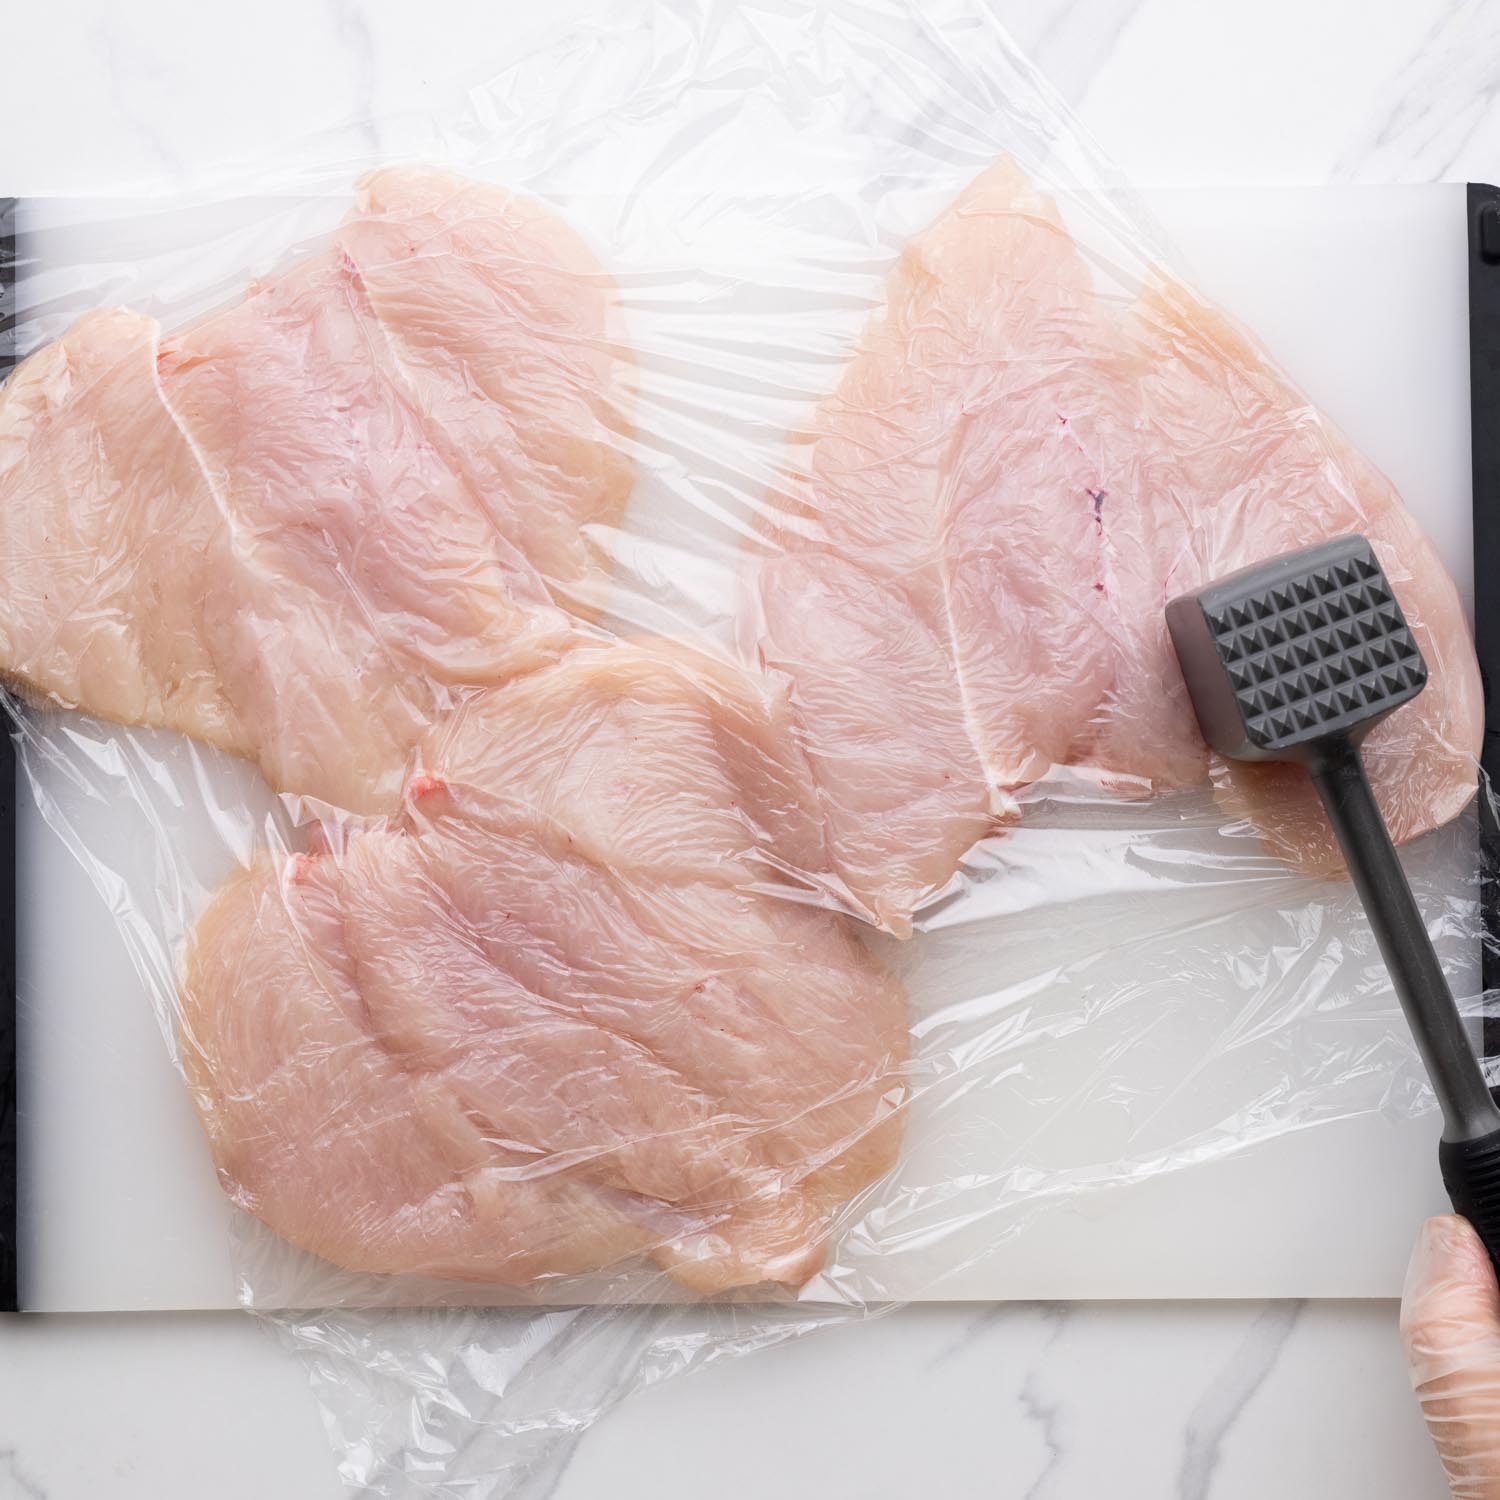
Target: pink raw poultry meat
x,y
106,525
557,1020
365,582
480,290
301,530
965,584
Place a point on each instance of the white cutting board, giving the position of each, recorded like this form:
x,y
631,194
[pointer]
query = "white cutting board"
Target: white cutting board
x,y
1361,293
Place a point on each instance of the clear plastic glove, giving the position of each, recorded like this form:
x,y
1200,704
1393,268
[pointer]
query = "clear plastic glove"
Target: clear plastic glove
x,y
1450,1325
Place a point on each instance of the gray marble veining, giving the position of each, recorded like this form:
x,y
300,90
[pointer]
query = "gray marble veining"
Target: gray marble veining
x,y
1227,1395
15,1484
1436,118
1069,41
355,36
1045,1408
133,78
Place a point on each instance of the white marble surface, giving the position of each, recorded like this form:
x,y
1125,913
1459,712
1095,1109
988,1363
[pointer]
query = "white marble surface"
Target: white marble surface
x,y
1049,1403
1198,1401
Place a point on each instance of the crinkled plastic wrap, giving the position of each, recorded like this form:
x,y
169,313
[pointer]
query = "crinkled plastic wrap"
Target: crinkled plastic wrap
x,y
605,647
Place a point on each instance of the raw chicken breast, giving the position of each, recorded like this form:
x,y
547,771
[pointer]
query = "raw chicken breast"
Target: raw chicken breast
x,y
367,581
964,585
110,545
562,1017
298,530
480,290
1295,480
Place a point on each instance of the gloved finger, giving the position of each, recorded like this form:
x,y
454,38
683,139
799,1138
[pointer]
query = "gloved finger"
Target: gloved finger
x,y
1450,1326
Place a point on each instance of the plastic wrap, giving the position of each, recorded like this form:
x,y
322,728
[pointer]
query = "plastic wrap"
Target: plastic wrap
x,y
614,681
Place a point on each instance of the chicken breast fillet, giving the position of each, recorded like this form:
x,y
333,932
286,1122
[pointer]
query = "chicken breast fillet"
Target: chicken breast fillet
x,y
964,583
560,1017
303,528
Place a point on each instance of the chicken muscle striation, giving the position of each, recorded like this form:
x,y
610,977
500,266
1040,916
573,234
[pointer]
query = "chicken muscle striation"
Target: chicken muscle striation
x,y
964,585
561,1016
304,528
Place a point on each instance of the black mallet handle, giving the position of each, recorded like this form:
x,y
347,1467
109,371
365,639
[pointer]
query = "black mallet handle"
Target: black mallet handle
x,y
1296,659
1469,1153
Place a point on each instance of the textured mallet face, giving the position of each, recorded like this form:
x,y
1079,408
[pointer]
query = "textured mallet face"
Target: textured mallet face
x,y
1307,646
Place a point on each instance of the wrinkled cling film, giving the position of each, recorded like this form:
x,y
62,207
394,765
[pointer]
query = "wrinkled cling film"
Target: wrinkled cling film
x,y
640,808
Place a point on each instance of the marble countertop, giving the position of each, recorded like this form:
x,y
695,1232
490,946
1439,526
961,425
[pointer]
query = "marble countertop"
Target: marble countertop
x,y
1016,1402
1199,1401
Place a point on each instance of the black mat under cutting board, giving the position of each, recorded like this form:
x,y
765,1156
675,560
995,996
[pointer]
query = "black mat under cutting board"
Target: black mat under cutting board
x,y
8,1165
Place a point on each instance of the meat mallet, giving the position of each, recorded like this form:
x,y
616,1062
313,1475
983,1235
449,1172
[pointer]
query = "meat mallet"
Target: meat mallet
x,y
1297,659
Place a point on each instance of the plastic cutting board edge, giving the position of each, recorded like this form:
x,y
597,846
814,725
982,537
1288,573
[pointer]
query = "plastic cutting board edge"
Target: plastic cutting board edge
x,y
1361,294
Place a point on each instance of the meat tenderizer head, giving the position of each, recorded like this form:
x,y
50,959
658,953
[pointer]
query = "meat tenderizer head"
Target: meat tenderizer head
x,y
1297,659
1294,654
